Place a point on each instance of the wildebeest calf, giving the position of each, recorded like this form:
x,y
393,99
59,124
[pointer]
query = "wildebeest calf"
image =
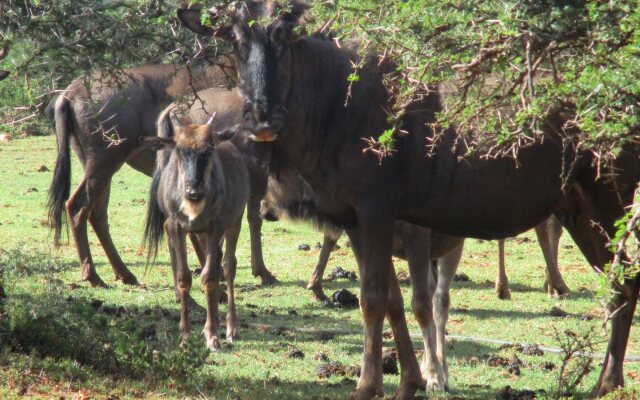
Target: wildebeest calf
x,y
201,185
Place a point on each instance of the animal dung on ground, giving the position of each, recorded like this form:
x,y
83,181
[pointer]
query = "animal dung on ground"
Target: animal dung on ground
x,y
461,277
327,370
390,362
532,350
318,246
497,361
507,393
96,304
270,311
321,357
344,298
304,247
43,168
514,365
403,277
558,312
295,353
340,273
548,365
197,271
292,312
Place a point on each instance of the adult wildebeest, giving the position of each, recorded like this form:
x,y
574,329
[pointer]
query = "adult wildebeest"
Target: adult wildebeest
x,y
289,196
201,186
103,117
296,87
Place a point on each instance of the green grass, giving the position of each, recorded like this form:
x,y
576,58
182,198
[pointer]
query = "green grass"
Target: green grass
x,y
55,344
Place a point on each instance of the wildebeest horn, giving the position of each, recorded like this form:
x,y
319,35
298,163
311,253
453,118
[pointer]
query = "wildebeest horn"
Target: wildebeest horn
x,y
210,121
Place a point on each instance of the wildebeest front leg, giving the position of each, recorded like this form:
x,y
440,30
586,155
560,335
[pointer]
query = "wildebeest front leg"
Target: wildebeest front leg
x,y
423,287
178,252
258,268
315,282
375,236
210,279
548,234
502,282
447,266
229,263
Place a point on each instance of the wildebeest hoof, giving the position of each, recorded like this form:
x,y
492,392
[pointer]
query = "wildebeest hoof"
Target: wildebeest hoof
x,y
318,293
503,293
366,393
128,279
268,279
559,291
96,282
213,344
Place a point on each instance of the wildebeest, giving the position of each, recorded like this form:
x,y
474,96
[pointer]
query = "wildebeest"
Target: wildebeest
x,y
289,196
103,117
296,88
201,186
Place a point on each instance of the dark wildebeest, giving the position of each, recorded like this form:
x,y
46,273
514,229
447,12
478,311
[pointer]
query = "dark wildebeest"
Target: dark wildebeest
x,y
296,88
103,117
289,196
201,186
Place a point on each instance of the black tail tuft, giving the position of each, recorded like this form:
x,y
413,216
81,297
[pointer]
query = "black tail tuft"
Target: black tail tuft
x,y
61,183
154,225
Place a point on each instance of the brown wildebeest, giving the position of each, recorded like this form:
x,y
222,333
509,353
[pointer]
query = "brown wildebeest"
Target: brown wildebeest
x,y
290,197
201,186
86,115
548,234
295,89
227,105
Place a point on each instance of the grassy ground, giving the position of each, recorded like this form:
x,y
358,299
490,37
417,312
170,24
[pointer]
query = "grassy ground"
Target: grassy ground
x,y
60,338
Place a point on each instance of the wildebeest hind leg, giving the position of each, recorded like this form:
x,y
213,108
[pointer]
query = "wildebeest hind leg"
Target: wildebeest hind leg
x,y
78,208
229,263
315,282
100,223
258,268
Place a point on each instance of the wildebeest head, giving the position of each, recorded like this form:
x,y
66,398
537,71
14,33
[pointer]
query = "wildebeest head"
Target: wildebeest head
x,y
194,147
260,32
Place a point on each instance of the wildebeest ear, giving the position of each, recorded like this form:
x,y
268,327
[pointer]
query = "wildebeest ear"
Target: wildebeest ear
x,y
226,134
156,143
177,122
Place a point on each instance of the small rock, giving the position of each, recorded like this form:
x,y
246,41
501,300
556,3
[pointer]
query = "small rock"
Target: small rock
x,y
340,273
304,247
558,312
344,298
43,168
321,357
532,350
295,353
461,277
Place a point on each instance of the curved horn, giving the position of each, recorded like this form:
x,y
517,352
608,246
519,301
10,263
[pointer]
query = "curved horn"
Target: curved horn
x,y
210,121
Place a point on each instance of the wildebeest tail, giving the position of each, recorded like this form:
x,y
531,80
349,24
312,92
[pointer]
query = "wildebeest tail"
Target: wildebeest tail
x,y
61,182
154,225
